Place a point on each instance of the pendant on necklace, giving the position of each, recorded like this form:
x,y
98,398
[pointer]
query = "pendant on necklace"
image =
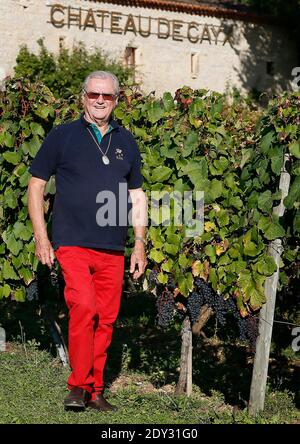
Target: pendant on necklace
x,y
105,160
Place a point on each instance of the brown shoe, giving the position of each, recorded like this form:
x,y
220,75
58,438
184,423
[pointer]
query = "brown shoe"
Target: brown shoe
x,y
76,399
101,404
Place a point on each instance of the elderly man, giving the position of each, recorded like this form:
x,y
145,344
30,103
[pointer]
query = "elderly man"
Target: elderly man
x,y
93,158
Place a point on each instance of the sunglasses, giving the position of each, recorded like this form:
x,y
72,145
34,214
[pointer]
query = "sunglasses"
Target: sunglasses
x,y
95,95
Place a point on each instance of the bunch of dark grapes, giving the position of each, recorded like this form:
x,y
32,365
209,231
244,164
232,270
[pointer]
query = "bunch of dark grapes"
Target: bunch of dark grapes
x,y
204,289
219,306
193,306
253,323
171,283
32,291
213,300
249,330
204,294
232,308
152,278
165,308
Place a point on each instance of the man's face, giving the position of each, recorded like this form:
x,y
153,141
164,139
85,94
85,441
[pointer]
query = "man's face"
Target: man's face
x,y
99,109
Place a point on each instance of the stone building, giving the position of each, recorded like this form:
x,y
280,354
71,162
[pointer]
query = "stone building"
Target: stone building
x,y
170,43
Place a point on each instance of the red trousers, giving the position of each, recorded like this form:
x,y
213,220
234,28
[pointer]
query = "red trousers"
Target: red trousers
x,y
93,290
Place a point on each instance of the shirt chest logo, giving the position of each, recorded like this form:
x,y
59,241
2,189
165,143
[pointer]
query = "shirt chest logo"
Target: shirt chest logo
x,y
119,154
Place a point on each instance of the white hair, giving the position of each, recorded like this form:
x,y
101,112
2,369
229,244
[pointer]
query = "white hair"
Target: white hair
x,y
102,75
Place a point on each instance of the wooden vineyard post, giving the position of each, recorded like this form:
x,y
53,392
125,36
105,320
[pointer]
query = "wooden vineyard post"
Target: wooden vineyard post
x,y
263,343
184,384
189,373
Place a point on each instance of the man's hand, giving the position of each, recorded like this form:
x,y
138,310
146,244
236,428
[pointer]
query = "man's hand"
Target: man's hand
x,y
43,248
44,251
138,258
139,222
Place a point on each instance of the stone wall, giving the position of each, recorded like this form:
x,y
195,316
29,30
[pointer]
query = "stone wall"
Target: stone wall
x,y
171,49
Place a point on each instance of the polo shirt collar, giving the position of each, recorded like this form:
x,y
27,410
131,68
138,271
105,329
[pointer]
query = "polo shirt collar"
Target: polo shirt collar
x,y
112,122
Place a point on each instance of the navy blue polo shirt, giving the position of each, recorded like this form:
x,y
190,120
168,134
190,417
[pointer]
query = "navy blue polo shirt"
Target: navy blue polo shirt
x,y
91,202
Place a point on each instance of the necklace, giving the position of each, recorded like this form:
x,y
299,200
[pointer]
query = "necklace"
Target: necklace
x,y
105,159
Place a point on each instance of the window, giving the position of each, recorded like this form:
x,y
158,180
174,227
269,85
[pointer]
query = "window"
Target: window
x,y
129,57
194,64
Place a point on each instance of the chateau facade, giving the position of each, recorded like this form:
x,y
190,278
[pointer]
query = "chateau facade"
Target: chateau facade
x,y
169,43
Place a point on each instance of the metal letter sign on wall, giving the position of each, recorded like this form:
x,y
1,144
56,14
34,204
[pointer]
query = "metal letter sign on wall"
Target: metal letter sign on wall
x,y
118,23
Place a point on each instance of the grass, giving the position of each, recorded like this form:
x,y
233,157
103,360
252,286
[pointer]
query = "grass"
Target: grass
x,y
33,387
142,371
